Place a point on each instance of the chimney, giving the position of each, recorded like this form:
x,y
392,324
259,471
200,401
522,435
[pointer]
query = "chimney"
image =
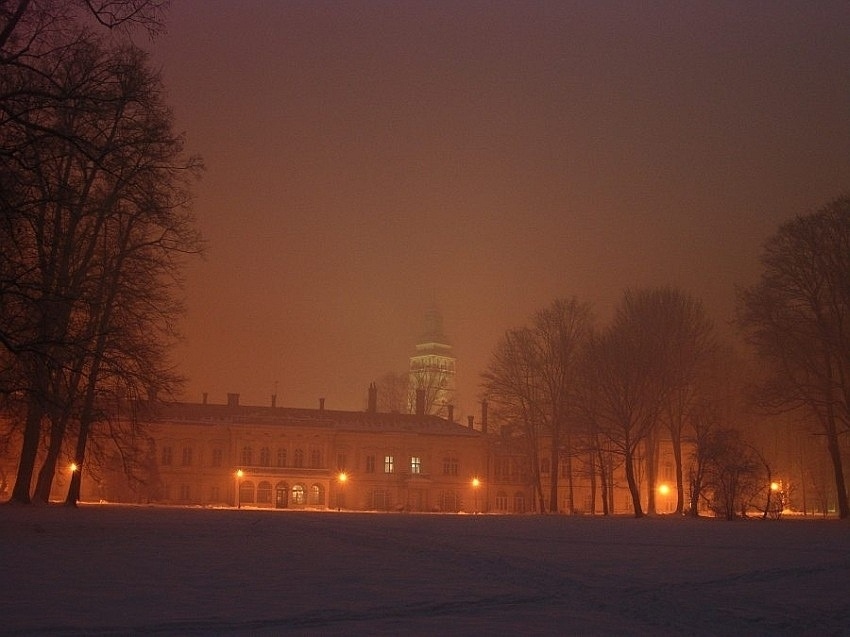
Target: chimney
x,y
451,409
373,399
484,416
232,400
274,401
420,402
321,404
204,398
471,419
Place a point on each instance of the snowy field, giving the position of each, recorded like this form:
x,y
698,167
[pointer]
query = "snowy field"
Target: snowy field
x,y
104,570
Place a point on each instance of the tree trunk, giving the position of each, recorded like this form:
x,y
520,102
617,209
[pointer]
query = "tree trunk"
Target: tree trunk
x,y
676,438
634,490
838,470
29,451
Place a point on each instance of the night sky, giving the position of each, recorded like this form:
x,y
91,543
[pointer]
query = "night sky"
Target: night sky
x,y
367,159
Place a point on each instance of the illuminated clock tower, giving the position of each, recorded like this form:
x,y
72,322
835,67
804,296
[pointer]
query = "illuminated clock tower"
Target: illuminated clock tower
x,y
432,369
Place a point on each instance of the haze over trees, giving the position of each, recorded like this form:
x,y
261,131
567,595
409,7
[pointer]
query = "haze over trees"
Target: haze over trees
x,y
95,223
797,317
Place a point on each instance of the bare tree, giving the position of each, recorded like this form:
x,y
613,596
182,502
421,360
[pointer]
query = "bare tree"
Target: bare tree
x,y
96,211
533,376
798,319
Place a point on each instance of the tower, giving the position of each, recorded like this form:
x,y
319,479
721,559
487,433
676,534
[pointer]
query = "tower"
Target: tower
x,y
432,369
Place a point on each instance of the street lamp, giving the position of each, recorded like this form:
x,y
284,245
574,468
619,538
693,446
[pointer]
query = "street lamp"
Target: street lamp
x,y
341,478
239,474
73,467
476,483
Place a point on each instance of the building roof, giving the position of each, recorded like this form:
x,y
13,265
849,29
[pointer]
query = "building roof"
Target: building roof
x,y
200,413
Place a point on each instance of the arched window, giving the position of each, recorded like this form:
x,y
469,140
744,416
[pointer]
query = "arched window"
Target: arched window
x,y
246,492
281,495
298,495
299,458
247,456
264,493
317,494
265,457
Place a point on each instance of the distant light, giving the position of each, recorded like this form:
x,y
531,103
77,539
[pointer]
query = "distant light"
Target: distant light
x,y
73,467
663,489
774,486
476,482
342,477
239,473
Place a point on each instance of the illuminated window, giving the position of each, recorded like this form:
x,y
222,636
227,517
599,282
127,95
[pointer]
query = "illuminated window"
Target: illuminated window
x,y
299,458
298,494
265,457
216,457
501,501
388,464
264,492
186,460
246,491
281,457
166,455
370,464
415,464
247,456
317,494
450,466
315,459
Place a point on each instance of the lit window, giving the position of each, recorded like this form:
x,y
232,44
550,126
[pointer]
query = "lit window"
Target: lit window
x,y
298,494
216,457
388,464
317,494
246,491
265,457
166,455
247,456
281,457
450,466
187,457
370,464
415,464
264,492
299,458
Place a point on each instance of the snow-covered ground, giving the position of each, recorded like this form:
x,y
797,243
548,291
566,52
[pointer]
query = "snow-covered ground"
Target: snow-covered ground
x,y
108,570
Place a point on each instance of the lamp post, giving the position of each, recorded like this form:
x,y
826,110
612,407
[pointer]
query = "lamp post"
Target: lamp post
x,y
342,478
239,474
664,489
476,483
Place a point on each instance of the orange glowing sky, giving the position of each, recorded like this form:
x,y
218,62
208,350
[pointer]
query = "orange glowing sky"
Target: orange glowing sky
x,y
366,158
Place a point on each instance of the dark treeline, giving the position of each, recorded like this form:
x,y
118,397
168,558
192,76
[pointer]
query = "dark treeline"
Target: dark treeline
x,y
592,398
94,223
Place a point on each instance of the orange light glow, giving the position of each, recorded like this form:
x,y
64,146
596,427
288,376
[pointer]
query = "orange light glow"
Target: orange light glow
x,y
663,489
774,486
73,467
342,477
239,473
476,482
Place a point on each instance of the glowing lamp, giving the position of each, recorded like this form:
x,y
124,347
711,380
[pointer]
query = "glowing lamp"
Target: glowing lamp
x,y
476,482
239,473
73,467
774,486
342,477
663,489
